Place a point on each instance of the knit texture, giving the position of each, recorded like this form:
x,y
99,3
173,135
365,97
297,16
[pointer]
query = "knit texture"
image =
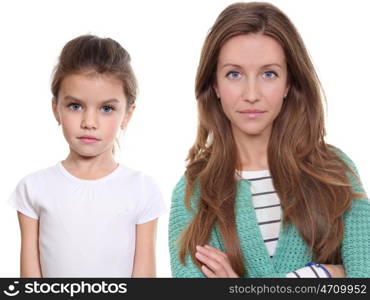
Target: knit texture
x,y
291,253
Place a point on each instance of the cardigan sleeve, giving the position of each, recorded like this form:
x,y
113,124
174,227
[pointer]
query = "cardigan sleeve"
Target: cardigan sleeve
x,y
180,217
356,238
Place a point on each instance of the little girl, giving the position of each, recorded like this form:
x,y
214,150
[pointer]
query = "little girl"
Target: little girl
x,y
89,216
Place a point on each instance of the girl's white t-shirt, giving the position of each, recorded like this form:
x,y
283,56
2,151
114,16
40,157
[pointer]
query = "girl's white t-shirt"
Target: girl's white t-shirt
x,y
87,227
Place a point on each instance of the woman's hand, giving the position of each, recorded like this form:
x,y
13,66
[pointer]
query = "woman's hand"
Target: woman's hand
x,y
336,271
215,262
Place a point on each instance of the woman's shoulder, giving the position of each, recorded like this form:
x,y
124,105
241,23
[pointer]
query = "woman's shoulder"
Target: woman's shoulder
x,y
179,189
344,157
353,176
179,192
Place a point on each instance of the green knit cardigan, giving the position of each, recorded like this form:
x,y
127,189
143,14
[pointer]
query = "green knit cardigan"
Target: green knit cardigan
x,y
291,253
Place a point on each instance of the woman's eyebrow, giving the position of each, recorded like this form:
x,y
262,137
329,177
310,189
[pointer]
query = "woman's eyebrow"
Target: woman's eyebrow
x,y
272,65
262,67
230,65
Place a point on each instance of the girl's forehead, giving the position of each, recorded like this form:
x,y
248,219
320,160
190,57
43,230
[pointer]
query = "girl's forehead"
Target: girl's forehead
x,y
92,77
92,88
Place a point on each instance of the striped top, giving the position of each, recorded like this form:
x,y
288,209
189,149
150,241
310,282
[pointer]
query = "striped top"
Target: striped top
x,y
267,207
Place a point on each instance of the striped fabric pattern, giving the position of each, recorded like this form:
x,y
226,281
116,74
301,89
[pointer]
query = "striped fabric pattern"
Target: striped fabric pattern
x,y
267,207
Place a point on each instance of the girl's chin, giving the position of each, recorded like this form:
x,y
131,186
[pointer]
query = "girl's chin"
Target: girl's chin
x,y
86,153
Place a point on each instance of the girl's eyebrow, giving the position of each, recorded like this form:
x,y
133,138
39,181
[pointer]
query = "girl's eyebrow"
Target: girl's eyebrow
x,y
113,100
71,98
74,99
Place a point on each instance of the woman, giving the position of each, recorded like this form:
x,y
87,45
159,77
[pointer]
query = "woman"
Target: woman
x,y
263,191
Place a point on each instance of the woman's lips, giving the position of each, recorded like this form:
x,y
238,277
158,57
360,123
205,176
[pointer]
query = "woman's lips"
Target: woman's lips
x,y
88,139
252,113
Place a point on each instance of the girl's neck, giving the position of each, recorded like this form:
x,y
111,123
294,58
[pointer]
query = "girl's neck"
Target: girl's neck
x,y
252,151
90,167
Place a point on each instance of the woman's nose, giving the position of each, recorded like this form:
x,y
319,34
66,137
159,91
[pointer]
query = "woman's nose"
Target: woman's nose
x,y
251,90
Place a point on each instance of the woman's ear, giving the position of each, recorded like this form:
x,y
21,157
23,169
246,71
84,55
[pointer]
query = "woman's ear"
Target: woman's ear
x,y
287,88
54,105
215,88
128,116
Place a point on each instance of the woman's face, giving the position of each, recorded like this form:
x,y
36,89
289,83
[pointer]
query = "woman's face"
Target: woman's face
x,y
251,82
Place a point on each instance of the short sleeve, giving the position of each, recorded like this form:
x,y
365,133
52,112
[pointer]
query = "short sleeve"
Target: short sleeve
x,y
21,200
152,205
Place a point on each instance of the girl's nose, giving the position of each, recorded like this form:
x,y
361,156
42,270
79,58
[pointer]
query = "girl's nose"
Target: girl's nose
x,y
89,121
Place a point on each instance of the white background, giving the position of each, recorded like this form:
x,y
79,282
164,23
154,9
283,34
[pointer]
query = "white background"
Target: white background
x,y
164,39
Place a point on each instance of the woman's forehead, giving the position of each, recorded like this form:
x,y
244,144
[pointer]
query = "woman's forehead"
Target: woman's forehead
x,y
251,50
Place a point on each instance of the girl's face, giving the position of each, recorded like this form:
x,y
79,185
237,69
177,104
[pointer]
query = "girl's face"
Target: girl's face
x,y
251,82
91,110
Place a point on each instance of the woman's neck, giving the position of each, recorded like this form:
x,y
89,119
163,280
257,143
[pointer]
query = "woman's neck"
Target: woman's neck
x,y
90,167
252,151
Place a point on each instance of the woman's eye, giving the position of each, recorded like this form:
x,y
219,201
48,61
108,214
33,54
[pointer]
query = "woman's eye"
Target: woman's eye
x,y
75,106
233,75
269,75
107,108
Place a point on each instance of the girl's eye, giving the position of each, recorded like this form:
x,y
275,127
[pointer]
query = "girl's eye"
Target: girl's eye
x,y
269,75
233,75
107,108
75,106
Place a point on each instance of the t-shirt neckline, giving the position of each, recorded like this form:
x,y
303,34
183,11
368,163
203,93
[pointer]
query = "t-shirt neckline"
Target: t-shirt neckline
x,y
67,174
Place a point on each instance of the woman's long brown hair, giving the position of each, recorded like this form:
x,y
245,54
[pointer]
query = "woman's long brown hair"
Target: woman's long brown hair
x,y
309,177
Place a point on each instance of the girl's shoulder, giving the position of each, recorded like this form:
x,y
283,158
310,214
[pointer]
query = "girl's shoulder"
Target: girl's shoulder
x,y
26,194
136,177
37,176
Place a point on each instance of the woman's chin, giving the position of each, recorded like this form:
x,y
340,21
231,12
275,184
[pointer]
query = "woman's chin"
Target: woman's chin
x,y
253,132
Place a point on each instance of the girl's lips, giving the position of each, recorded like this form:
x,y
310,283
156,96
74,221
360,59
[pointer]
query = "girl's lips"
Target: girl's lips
x,y
88,140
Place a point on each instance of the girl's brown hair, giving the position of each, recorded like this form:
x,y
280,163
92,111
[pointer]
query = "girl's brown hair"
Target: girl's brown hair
x,y
89,53
309,177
